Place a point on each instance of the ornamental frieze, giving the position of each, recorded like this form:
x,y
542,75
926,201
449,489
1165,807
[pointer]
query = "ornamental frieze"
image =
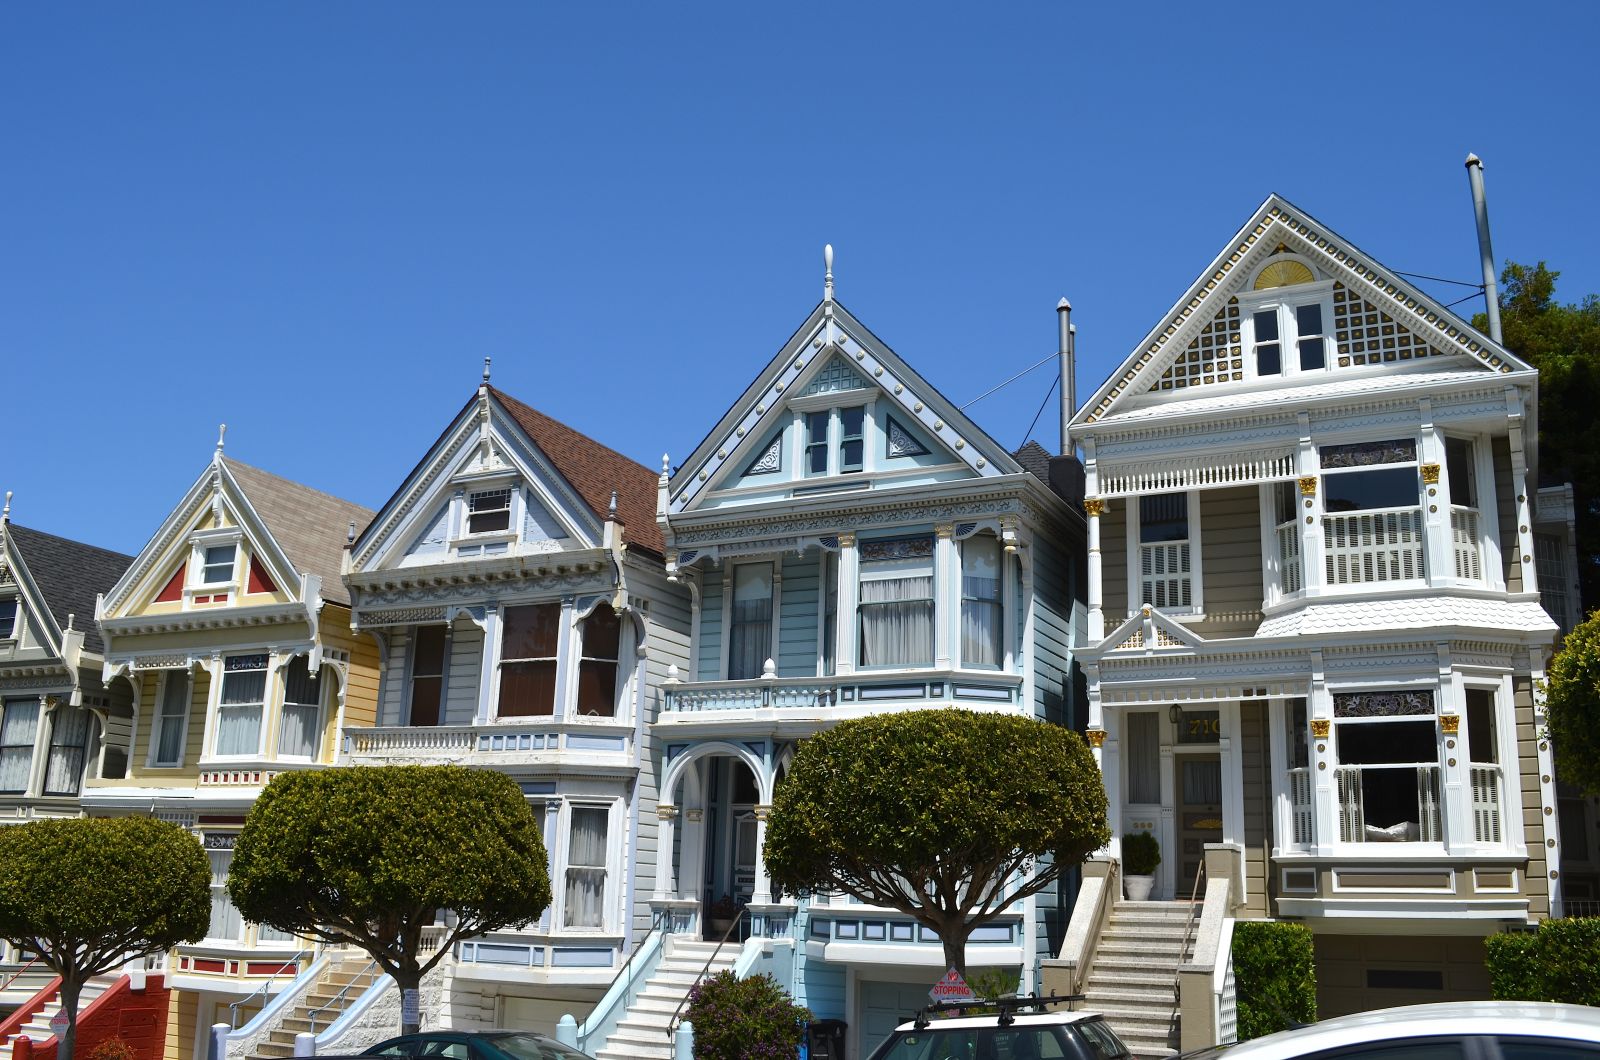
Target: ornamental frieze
x,y
855,519
443,594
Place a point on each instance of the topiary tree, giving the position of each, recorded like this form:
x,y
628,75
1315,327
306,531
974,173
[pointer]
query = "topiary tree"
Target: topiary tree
x,y
742,1019
949,816
1274,975
1572,706
89,894
367,856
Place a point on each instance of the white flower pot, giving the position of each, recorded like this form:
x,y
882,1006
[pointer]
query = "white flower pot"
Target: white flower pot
x,y
1138,887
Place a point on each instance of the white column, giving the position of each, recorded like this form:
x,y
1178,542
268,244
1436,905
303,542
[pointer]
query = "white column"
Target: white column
x,y
41,744
1455,790
486,673
1324,793
1308,467
1231,765
1439,557
1168,824
693,847
566,665
666,879
555,852
1095,507
761,893
844,625
946,593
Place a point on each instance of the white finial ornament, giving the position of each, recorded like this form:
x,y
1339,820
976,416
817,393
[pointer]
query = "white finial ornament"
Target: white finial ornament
x,y
666,465
222,433
5,513
827,269
611,513
486,369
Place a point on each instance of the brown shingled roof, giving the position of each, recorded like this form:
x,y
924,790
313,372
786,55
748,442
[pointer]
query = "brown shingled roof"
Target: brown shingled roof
x,y
309,525
594,471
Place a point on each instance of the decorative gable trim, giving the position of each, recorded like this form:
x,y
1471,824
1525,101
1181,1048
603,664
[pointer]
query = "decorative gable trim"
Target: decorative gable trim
x,y
901,442
1150,630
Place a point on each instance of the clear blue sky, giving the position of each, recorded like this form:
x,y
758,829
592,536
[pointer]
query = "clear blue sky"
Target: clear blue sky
x,y
313,221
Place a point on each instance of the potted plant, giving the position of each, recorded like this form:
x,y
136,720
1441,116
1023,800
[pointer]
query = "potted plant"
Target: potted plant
x,y
721,914
1140,856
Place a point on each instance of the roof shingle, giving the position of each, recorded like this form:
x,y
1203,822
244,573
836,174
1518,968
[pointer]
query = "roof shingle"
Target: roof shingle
x,y
70,575
310,526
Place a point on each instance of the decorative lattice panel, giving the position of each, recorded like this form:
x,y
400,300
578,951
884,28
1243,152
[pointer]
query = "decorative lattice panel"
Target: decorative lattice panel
x,y
836,375
1367,335
1214,355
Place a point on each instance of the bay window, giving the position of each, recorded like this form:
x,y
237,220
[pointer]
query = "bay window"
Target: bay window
x,y
73,732
530,636
601,637
427,675
896,603
1483,766
1388,774
243,696
750,624
584,904
302,711
19,728
172,719
981,609
1372,513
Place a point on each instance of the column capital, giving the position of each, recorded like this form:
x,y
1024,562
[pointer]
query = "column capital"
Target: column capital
x,y
762,812
946,530
847,540
1094,507
666,811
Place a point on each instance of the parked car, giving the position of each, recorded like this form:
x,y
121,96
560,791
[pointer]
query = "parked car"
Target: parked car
x,y
1010,1032
476,1045
1464,1030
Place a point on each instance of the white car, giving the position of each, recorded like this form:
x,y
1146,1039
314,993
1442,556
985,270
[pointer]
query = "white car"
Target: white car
x,y
1013,1033
1463,1030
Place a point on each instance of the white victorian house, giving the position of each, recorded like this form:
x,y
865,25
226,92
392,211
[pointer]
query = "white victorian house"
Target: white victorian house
x,y
1314,626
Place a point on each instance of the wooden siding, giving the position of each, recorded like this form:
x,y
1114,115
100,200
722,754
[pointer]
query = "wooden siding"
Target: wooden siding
x,y
708,651
797,617
1052,636
1505,492
1537,883
1230,560
181,1015
391,709
1255,762
1114,562
464,668
361,689
666,623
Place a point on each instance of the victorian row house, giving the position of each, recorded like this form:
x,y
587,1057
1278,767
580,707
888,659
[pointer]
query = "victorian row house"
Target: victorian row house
x,y
1314,629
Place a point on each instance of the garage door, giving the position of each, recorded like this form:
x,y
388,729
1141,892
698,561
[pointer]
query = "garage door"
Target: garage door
x,y
884,1006
539,1014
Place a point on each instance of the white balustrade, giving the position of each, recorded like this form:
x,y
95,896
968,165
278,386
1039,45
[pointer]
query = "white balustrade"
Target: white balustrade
x,y
1290,576
1464,543
1486,817
1373,546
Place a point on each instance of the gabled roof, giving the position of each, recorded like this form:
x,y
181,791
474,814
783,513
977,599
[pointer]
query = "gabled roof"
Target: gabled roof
x,y
1035,459
69,575
594,470
831,331
310,526
1135,390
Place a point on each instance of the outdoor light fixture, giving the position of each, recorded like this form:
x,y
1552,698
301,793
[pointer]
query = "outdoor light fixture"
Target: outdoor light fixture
x,y
1175,714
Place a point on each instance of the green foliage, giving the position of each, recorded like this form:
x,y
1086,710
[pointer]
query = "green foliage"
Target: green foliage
x,y
1140,854
367,855
736,1019
1563,342
1555,963
1572,706
1274,976
991,983
934,812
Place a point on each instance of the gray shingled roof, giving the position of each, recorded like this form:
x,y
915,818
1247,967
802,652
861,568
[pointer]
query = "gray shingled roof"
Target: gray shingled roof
x,y
311,526
1035,459
70,575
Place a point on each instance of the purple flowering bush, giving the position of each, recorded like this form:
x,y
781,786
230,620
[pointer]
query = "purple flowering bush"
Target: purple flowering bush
x,y
736,1019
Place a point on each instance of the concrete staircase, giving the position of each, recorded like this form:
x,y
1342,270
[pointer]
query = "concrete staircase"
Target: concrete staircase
x,y
642,1033
1132,979
340,984
37,1029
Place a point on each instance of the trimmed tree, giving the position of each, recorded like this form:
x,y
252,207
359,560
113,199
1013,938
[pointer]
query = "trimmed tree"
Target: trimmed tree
x,y
949,816
367,856
89,894
1572,706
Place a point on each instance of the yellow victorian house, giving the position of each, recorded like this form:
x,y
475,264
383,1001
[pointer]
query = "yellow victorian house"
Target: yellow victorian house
x,y
231,632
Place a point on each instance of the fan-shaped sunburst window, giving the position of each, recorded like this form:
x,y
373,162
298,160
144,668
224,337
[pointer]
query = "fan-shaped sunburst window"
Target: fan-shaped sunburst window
x,y
1283,274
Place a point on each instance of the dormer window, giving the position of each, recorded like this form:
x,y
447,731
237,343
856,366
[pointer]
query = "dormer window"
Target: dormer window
x,y
1286,320
489,511
835,441
8,619
218,566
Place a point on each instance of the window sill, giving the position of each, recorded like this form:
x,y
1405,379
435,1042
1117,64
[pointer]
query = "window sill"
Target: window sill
x,y
488,537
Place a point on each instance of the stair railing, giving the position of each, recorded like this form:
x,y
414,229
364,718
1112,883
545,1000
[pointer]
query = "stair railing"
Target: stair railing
x,y
334,1003
18,973
1195,899
677,1015
265,990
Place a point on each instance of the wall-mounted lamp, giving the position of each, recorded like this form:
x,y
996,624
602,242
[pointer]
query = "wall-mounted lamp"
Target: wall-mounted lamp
x,y
1175,714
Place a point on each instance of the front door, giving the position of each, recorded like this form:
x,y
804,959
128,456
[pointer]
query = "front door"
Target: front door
x,y
1199,778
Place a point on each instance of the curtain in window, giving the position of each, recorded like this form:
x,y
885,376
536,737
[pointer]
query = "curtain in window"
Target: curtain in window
x,y
174,711
897,621
1202,782
17,732
70,729
586,868
530,636
750,634
302,710
980,602
225,920
244,688
597,667
1144,758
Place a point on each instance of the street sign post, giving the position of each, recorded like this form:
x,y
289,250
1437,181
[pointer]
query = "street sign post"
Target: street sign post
x,y
951,988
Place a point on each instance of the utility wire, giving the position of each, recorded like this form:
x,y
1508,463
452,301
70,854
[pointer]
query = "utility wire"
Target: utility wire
x,y
1469,297
1036,415
1438,279
1008,382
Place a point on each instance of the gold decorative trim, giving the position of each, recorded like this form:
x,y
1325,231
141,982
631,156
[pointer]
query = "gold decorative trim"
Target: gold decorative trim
x,y
1094,507
945,529
1430,473
847,541
1308,486
1450,723
666,811
1096,737
1320,727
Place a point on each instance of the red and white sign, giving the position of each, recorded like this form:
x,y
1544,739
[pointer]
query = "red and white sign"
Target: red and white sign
x,y
58,1024
951,988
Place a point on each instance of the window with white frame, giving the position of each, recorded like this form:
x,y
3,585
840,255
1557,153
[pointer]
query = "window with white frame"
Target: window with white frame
x,y
600,643
489,511
172,720
73,733
1387,777
8,619
301,730
530,636
1483,766
1372,512
427,675
226,924
584,900
217,562
1461,468
982,612
240,704
750,624
1286,321
835,441
896,609
1144,757
1166,552
19,728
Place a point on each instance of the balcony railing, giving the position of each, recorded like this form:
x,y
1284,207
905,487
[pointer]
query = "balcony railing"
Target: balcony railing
x,y
1291,578
1464,543
812,693
1374,546
1165,574
1424,825
1300,815
411,739
520,735
1486,817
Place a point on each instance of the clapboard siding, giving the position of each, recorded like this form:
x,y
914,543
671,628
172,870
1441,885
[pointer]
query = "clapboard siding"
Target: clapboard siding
x,y
797,616
1230,561
708,651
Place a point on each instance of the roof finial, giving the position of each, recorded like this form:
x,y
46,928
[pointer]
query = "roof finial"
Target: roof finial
x,y
350,535
71,618
666,466
222,432
5,513
827,267
486,370
611,512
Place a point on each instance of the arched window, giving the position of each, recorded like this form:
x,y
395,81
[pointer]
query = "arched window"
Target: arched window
x,y
601,639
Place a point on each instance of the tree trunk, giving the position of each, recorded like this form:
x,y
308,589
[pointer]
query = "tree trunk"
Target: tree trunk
x,y
409,982
70,989
954,938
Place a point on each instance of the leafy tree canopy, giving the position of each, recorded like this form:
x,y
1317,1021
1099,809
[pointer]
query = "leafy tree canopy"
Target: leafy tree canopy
x,y
939,814
368,855
1572,706
1563,342
88,894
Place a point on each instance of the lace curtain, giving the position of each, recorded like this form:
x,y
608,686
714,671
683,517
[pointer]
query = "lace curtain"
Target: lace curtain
x,y
750,636
586,868
174,712
244,688
897,621
980,602
17,731
71,729
302,710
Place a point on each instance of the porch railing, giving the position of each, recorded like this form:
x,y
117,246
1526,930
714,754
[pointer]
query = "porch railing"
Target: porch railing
x,y
1464,543
1486,817
1375,546
1353,825
390,739
1291,578
1300,824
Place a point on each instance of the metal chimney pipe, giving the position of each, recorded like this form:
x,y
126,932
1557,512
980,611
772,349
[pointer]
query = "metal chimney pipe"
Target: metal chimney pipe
x,y
1491,292
1069,389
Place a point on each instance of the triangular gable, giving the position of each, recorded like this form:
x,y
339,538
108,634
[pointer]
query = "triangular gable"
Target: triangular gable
x,y
486,439
1378,316
57,580
1150,630
833,352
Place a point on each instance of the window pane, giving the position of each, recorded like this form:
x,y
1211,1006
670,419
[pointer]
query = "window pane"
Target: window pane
x,y
980,601
174,713
601,633
586,868
597,688
1406,742
1308,320
244,679
8,618
850,444
1144,758
1299,756
816,443
1267,325
1164,517
750,629
527,689
300,685
489,511
1312,355
897,621
219,564
1482,741
1268,361
531,632
1460,467
1390,487
428,654
425,698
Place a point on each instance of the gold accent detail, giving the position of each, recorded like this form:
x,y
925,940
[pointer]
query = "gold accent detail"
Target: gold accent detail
x,y
847,541
1094,506
1450,723
1283,274
666,811
1308,485
1096,737
1433,507
945,529
761,812
1450,762
1430,473
1322,765
1320,727
694,816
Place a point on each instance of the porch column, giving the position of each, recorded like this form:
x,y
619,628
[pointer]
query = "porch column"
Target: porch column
x,y
844,623
693,847
1168,824
1308,465
556,853
41,744
1094,508
1324,791
946,593
1232,769
486,674
1438,556
666,818
761,894
1455,791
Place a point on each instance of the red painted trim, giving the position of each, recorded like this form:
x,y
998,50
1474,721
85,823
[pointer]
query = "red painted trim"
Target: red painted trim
x,y
270,968
208,964
174,589
29,1008
260,581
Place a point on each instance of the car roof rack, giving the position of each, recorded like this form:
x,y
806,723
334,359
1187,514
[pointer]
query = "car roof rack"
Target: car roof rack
x,y
1008,1005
